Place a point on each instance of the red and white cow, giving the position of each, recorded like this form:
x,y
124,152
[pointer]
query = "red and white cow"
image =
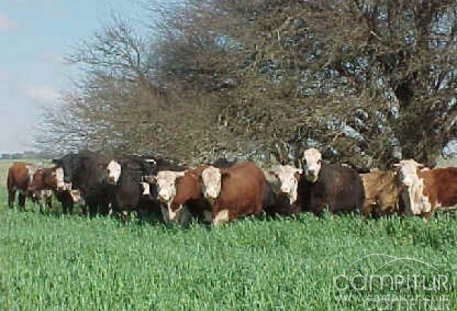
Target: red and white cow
x,y
20,176
166,192
425,190
239,190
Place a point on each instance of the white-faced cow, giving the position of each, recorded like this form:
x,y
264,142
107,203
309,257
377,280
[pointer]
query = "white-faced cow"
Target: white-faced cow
x,y
425,190
329,186
166,191
239,190
283,187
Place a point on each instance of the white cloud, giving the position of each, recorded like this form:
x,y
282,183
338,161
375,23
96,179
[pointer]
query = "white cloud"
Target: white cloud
x,y
42,94
7,24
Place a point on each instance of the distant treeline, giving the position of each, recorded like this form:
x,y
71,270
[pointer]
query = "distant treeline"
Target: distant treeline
x,y
25,155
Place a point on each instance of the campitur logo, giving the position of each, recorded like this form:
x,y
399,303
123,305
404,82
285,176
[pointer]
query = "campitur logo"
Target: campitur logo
x,y
385,282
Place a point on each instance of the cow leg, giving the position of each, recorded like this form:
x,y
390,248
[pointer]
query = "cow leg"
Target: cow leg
x,y
164,211
67,207
93,210
366,210
21,201
49,202
11,196
220,216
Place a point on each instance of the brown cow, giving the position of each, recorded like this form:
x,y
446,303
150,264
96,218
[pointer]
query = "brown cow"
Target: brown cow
x,y
20,175
382,193
329,186
425,190
44,181
189,199
234,191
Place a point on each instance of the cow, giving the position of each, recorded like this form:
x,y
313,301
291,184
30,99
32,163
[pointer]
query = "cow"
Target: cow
x,y
131,192
44,182
20,176
49,181
89,173
188,200
283,190
180,193
239,190
330,186
166,190
382,193
424,189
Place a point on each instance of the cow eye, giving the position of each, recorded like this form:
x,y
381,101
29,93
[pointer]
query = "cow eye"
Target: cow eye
x,y
319,162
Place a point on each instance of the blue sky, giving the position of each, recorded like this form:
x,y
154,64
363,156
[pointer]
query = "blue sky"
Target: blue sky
x,y
35,35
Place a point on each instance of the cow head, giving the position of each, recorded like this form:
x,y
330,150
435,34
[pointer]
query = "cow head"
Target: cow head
x,y
288,177
211,183
412,186
114,169
67,165
312,163
166,186
60,179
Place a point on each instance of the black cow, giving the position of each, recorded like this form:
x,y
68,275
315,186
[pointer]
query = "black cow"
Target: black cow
x,y
133,191
338,188
89,173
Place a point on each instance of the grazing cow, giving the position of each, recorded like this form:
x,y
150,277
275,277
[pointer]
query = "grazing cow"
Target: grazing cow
x,y
20,176
88,172
382,193
338,188
283,190
235,191
425,190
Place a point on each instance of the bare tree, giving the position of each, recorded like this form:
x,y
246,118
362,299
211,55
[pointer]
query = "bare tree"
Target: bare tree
x,y
368,81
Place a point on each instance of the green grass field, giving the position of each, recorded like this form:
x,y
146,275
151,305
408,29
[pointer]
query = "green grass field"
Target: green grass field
x,y
50,262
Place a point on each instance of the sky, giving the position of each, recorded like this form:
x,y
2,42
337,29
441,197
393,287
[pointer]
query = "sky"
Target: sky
x,y
35,37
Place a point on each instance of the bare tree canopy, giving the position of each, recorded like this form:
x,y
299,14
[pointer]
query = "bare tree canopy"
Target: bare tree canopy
x,y
366,81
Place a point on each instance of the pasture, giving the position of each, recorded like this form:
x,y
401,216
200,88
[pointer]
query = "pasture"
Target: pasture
x,y
54,262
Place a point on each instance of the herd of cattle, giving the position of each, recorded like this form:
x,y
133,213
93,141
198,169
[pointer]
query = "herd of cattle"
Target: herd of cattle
x,y
222,191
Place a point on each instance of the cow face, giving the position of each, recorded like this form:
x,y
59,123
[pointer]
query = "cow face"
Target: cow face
x,y
211,182
408,172
288,177
312,163
412,186
166,186
67,164
60,179
114,169
77,197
